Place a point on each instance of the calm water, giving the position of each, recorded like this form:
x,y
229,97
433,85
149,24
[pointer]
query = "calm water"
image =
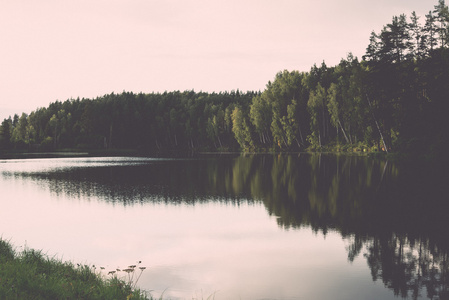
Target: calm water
x,y
239,227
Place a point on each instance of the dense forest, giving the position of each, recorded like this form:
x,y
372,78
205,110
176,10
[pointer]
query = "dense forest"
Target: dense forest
x,y
396,98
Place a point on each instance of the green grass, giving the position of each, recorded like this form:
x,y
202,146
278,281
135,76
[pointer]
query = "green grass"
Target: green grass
x,y
30,274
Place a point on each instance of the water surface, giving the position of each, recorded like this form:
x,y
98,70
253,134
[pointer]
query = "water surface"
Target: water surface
x,y
236,226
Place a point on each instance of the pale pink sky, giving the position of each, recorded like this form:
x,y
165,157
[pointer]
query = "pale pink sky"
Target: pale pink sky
x,y
55,50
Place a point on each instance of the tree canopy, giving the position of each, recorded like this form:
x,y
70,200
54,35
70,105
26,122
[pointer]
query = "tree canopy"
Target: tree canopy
x,y
395,98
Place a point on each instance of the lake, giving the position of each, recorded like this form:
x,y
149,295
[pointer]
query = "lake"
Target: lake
x,y
296,226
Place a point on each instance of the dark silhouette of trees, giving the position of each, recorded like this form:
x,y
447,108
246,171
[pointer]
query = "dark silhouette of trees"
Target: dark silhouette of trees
x,y
395,98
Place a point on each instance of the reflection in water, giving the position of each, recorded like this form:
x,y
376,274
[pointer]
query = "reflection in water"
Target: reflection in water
x,y
395,216
398,220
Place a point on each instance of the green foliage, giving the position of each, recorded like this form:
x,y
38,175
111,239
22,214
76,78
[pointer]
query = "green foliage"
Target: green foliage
x,y
144,122
317,110
290,123
394,99
241,130
279,114
6,251
5,134
261,115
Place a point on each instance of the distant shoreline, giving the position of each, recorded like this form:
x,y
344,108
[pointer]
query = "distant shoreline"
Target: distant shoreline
x,y
55,154
132,152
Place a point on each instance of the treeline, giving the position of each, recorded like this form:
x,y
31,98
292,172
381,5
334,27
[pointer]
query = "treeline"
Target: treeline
x,y
395,99
146,122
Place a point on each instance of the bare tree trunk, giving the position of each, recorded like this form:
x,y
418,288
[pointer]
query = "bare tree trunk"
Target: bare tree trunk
x,y
319,138
285,143
56,131
267,137
300,134
297,142
350,136
377,124
344,133
324,124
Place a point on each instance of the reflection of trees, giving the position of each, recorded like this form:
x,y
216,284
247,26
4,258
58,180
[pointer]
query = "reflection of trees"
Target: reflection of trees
x,y
172,181
395,216
406,266
318,190
396,220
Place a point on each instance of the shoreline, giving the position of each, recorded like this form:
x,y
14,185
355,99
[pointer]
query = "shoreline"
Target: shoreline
x,y
69,153
30,274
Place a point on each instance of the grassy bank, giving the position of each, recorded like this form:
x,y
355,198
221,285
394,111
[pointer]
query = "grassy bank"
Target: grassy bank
x,y
29,274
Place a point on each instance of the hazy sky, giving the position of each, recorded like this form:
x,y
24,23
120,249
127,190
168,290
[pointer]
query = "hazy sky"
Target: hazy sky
x,y
55,50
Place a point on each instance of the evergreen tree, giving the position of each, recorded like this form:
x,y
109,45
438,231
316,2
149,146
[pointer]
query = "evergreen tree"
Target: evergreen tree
x,y
5,134
441,13
430,31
